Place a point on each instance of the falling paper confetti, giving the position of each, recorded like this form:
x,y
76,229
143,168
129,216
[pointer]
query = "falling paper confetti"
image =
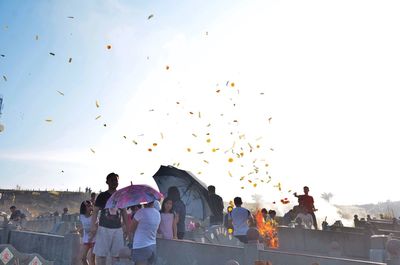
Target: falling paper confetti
x,y
37,37
70,17
97,104
189,150
269,119
230,160
150,16
61,93
5,78
91,149
154,144
108,47
2,55
124,136
133,141
208,140
105,125
98,117
149,149
52,53
70,60
49,120
232,84
167,67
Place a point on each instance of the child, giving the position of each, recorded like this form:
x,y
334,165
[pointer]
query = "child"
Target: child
x,y
85,217
169,220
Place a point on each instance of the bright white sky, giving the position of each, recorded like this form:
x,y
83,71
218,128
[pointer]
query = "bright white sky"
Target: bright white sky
x,y
325,71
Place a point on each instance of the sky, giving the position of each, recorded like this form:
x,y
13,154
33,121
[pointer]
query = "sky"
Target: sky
x,y
254,97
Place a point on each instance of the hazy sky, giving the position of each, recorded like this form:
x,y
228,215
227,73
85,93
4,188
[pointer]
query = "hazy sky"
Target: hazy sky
x,y
273,92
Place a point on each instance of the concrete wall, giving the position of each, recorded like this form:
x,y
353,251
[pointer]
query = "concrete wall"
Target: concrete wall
x,y
60,249
284,258
353,245
22,258
177,252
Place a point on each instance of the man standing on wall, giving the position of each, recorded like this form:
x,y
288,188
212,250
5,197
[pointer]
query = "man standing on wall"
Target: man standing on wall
x,y
307,202
110,233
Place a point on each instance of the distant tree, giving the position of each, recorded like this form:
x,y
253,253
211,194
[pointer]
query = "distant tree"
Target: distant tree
x,y
327,196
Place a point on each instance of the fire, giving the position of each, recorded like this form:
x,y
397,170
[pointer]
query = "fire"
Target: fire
x,y
268,230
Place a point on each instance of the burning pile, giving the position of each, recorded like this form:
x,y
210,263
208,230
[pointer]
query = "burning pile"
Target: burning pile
x,y
268,230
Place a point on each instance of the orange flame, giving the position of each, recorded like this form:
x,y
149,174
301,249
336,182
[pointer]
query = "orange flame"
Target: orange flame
x,y
268,230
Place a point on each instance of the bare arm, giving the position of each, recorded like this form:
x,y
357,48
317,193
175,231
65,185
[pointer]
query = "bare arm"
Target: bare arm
x,y
132,229
93,225
125,222
175,226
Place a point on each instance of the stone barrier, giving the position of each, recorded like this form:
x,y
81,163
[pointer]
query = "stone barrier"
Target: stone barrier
x,y
9,255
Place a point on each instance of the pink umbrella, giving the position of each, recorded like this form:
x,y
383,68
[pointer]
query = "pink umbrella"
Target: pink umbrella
x,y
133,195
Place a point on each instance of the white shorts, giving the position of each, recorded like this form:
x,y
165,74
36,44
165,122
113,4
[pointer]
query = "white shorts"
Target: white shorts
x,y
109,241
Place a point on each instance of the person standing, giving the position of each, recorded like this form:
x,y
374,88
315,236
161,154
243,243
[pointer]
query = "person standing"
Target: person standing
x,y
240,217
86,211
217,207
144,227
180,210
110,232
307,202
169,220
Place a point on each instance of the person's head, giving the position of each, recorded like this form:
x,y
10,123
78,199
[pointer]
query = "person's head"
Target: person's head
x,y
93,196
13,208
65,210
355,216
272,213
149,205
211,189
112,181
166,206
306,190
86,207
135,208
264,212
237,201
174,194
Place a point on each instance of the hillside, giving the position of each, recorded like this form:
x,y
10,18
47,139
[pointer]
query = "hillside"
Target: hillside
x,y
34,203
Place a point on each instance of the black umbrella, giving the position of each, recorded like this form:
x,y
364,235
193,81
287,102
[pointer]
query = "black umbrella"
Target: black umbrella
x,y
194,193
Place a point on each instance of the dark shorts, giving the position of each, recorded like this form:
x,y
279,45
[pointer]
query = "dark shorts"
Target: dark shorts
x,y
147,254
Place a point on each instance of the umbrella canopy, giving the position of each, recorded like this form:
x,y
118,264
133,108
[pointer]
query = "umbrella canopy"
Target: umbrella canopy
x,y
133,195
194,193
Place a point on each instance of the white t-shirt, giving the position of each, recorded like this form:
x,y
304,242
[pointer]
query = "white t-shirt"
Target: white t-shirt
x,y
145,235
86,223
239,216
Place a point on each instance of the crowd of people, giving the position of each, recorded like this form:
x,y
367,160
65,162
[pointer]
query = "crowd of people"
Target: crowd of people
x,y
107,231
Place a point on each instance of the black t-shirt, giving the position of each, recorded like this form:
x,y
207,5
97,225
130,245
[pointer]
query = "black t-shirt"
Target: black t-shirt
x,y
217,208
109,218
